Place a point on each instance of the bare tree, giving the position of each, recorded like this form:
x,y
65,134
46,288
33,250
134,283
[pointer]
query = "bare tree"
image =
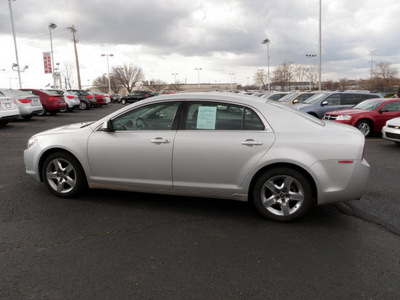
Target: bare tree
x,y
101,83
384,74
177,87
260,78
67,73
128,76
300,72
283,74
157,85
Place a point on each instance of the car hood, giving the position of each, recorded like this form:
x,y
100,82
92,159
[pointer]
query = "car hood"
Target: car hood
x,y
394,122
66,128
348,112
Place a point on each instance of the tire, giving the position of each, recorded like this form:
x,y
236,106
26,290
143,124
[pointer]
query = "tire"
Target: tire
x,y
83,105
63,175
282,194
43,112
27,117
365,127
123,101
64,109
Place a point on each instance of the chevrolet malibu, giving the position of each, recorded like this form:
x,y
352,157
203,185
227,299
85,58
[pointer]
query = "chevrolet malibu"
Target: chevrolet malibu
x,y
209,145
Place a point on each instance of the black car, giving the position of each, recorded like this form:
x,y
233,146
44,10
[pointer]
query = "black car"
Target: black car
x,y
115,98
136,96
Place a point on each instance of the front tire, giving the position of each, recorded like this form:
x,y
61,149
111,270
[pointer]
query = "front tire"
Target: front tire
x,y
282,194
365,127
63,175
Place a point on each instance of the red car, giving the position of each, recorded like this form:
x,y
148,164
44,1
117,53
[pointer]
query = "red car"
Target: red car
x,y
100,99
51,101
368,116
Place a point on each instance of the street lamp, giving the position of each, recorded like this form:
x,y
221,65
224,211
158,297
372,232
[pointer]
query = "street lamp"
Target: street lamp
x,y
52,26
231,79
15,43
198,77
267,42
174,74
108,71
311,56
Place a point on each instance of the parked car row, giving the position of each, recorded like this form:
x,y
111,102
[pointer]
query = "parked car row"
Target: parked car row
x,y
27,102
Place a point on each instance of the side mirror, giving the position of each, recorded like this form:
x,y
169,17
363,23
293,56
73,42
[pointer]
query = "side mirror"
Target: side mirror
x,y
108,126
295,101
383,110
324,103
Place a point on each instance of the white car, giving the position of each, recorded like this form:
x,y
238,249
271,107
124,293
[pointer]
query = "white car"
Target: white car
x,y
8,110
391,130
28,104
207,145
71,99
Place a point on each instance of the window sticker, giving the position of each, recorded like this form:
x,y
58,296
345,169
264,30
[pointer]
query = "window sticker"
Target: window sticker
x,y
206,117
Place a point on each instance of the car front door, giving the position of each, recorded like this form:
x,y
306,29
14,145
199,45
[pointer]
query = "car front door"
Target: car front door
x,y
137,152
217,147
388,111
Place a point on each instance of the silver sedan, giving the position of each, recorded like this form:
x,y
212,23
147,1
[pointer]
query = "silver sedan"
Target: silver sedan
x,y
208,145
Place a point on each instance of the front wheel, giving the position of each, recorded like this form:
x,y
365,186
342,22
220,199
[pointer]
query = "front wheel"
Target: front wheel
x,y
63,175
123,101
365,127
282,194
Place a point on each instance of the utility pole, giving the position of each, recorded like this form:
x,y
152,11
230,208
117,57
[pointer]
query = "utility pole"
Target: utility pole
x,y
75,40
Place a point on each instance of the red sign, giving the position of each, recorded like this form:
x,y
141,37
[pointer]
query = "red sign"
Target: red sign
x,y
47,62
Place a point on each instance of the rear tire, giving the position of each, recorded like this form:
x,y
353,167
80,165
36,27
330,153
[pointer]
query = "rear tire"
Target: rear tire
x,y
83,105
43,112
282,194
123,101
63,175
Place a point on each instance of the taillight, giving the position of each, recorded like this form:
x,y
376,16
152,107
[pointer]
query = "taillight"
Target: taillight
x,y
53,98
89,96
70,97
25,100
146,95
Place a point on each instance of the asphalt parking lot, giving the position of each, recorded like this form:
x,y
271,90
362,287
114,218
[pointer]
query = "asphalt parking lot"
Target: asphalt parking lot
x,y
120,245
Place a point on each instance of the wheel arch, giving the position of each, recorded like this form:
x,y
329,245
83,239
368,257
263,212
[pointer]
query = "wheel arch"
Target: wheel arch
x,y
369,120
284,165
48,152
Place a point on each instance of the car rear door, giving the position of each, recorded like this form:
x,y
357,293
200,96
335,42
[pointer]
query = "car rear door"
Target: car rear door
x,y
217,147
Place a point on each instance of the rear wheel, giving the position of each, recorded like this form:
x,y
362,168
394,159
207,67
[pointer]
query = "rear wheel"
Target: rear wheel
x,y
43,112
365,127
64,109
63,175
83,105
123,101
282,194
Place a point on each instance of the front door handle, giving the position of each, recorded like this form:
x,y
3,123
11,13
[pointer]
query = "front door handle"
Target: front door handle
x,y
251,142
159,140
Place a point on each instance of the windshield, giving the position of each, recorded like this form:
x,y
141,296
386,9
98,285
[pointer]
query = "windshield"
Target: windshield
x,y
288,97
369,104
315,98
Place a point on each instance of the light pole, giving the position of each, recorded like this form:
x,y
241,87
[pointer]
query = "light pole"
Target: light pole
x,y
15,44
108,71
231,79
311,56
52,26
174,74
198,77
267,42
320,46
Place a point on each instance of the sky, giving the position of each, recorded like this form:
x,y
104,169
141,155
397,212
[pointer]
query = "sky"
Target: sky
x,y
166,37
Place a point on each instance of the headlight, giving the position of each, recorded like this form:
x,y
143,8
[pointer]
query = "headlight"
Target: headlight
x,y
32,141
344,118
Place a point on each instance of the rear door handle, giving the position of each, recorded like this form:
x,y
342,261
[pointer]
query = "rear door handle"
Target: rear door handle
x,y
159,140
250,142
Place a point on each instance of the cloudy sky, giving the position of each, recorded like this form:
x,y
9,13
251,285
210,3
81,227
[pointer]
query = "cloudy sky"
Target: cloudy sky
x,y
176,36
